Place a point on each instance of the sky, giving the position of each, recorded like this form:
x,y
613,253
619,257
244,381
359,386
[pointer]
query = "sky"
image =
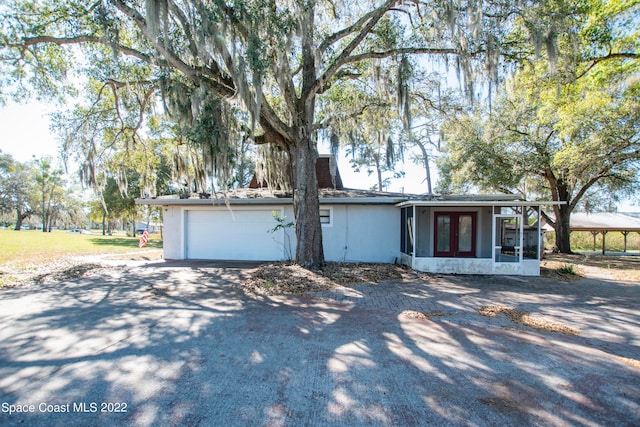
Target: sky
x,y
25,133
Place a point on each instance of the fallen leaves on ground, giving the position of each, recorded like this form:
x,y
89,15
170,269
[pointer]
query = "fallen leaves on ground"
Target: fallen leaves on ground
x,y
422,314
72,272
621,267
560,271
285,278
48,272
502,404
628,361
523,318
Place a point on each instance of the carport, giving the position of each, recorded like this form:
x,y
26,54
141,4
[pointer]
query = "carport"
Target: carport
x,y
603,223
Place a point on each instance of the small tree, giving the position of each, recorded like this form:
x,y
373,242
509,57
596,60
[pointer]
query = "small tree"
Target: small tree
x,y
50,183
16,189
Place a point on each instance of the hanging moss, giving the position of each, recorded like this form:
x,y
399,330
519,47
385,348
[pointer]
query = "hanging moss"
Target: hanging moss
x,y
272,168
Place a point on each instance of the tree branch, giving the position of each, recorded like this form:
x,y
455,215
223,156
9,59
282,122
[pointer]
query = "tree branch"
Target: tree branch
x,y
170,56
392,52
356,26
596,60
61,41
364,27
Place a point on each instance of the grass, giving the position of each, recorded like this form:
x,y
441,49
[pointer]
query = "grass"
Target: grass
x,y
31,246
566,269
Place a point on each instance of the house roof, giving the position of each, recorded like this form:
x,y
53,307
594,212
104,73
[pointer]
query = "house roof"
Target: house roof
x,y
262,196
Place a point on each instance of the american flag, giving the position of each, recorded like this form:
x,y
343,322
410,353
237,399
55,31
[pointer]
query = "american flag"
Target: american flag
x,y
143,238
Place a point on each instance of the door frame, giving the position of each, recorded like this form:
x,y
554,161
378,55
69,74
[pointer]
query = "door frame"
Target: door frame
x,y
517,248
454,234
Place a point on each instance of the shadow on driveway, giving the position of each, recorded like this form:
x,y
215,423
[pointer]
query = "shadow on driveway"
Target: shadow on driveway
x,y
179,344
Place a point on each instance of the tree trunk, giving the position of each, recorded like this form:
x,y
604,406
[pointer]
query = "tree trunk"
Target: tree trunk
x,y
560,193
104,224
20,217
425,162
306,205
563,229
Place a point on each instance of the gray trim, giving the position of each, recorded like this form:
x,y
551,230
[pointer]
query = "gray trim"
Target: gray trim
x,y
476,203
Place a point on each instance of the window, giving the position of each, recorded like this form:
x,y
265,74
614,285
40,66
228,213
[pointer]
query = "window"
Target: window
x,y
325,216
455,234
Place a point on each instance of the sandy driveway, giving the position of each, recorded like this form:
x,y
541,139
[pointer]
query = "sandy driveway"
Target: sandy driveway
x,y
179,344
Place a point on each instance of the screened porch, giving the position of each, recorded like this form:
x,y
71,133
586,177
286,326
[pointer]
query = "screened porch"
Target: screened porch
x,y
471,236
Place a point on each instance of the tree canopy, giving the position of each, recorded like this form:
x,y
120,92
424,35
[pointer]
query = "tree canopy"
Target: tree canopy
x,y
227,72
272,59
567,131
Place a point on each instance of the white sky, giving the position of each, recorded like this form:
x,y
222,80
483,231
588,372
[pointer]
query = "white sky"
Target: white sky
x,y
24,131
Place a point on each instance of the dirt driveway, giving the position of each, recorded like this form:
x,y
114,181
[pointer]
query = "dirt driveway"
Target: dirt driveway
x,y
180,344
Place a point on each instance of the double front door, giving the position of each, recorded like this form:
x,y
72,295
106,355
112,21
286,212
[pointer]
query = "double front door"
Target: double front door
x,y
455,234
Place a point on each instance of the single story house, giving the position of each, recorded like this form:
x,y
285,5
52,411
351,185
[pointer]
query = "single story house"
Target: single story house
x,y
482,234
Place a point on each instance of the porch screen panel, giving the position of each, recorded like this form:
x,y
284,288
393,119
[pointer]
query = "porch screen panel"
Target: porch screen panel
x,y
465,233
406,230
443,233
507,239
531,233
403,230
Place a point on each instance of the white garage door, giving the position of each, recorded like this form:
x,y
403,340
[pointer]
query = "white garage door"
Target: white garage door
x,y
233,235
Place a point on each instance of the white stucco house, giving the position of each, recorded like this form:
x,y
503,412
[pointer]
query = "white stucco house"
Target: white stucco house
x,y
482,234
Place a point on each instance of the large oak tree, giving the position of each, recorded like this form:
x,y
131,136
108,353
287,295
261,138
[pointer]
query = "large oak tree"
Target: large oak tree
x,y
275,59
560,143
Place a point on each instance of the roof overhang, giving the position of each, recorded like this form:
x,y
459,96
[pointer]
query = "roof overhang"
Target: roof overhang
x,y
476,203
269,201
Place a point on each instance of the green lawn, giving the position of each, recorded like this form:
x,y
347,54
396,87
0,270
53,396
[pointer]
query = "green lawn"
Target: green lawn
x,y
32,246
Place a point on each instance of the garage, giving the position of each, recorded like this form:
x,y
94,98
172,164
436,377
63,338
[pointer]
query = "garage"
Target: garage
x,y
233,234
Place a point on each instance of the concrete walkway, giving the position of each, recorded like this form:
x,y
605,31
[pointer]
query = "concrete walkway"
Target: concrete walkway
x,y
179,344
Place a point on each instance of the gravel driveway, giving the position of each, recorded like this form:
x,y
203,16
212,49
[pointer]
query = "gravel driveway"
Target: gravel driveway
x,y
179,344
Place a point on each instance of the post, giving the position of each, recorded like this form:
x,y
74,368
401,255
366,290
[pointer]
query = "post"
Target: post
x,y
625,233
595,233
604,233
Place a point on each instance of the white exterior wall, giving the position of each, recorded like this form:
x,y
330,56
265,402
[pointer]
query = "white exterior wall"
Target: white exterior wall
x,y
471,266
530,267
173,232
365,233
454,265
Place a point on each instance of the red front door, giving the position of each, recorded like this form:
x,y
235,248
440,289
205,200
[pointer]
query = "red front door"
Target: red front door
x,y
455,234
